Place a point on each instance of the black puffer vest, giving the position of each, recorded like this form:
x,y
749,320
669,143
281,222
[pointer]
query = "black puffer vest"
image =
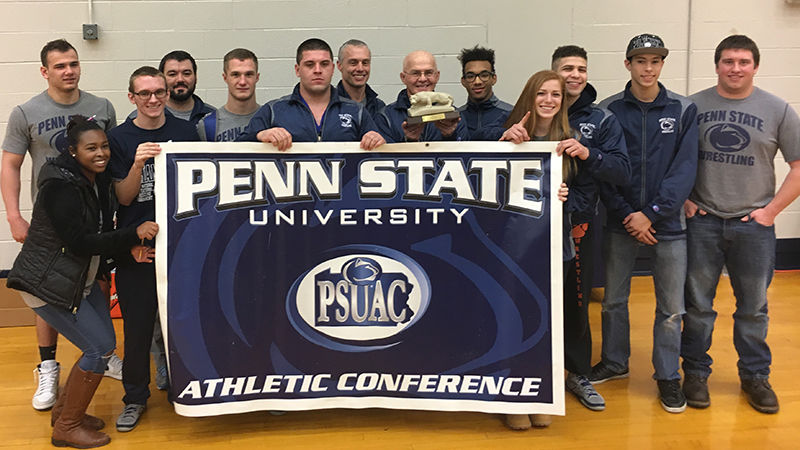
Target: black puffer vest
x,y
46,267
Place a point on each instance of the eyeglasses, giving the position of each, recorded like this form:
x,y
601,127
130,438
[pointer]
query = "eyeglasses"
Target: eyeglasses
x,y
484,76
417,73
145,95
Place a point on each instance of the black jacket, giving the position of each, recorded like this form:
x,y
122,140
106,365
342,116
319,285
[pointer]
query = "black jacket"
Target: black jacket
x,y
66,231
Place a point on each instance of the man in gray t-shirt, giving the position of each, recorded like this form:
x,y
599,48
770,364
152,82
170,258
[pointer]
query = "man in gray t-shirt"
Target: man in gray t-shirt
x,y
240,73
39,126
730,218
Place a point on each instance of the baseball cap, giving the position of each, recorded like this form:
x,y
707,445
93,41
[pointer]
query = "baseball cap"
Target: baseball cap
x,y
646,43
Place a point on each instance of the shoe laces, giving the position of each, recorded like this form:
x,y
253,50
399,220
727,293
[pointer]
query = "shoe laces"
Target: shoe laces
x,y
673,389
586,386
114,364
131,412
46,379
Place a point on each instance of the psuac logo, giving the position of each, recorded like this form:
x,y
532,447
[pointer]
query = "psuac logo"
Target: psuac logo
x,y
667,124
359,300
727,137
346,120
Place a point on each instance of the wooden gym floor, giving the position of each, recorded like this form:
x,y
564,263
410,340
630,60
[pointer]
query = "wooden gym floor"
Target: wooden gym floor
x,y
633,417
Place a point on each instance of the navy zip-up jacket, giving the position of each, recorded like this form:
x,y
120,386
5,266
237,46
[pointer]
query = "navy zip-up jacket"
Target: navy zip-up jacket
x,y
344,120
601,133
390,123
374,105
662,148
485,120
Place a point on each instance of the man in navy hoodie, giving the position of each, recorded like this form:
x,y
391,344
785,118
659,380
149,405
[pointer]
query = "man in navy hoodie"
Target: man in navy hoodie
x,y
314,111
602,157
661,135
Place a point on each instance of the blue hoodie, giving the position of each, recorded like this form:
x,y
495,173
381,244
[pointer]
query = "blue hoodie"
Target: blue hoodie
x,y
662,141
344,120
485,120
602,134
390,123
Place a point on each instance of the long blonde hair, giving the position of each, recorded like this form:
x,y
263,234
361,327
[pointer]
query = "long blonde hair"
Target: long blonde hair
x,y
559,127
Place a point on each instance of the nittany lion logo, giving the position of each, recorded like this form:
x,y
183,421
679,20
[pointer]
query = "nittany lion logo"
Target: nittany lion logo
x,y
346,120
727,137
667,124
358,297
586,130
59,141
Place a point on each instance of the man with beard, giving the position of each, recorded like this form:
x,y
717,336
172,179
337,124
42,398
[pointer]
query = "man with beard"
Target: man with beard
x,y
240,73
483,113
355,61
39,127
181,71
419,74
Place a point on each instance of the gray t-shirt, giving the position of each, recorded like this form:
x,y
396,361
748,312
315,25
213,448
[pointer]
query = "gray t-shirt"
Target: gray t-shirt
x,y
185,115
39,126
738,142
228,125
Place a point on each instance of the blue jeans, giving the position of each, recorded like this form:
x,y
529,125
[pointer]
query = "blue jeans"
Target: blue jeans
x,y
669,276
747,249
90,329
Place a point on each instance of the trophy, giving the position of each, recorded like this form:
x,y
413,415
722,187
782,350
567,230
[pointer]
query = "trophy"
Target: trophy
x,y
430,107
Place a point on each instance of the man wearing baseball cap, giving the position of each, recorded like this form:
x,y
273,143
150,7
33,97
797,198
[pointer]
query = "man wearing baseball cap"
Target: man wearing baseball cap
x,y
661,135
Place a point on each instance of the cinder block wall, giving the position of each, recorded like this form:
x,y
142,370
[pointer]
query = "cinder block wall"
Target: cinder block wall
x,y
524,34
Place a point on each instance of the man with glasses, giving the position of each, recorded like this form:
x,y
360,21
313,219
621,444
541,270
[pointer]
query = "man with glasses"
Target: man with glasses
x,y
133,146
355,61
419,75
38,127
483,113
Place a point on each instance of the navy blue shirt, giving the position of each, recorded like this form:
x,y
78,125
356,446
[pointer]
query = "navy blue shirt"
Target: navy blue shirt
x,y
123,141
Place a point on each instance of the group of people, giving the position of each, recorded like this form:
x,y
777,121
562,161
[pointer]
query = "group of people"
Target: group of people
x,y
691,178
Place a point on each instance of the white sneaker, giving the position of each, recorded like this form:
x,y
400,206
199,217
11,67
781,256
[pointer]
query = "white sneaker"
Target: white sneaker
x,y
46,394
114,367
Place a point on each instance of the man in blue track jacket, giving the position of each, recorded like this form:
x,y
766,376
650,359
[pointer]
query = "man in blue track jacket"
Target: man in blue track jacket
x,y
606,161
314,111
419,75
661,135
484,113
355,62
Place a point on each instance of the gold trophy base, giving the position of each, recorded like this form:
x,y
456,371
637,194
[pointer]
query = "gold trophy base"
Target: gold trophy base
x,y
425,118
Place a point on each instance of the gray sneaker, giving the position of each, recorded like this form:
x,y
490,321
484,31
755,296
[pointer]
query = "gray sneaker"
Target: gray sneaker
x,y
130,417
583,389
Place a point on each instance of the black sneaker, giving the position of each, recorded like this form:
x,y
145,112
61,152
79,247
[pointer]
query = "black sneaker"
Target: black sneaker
x,y
601,373
672,399
695,388
760,395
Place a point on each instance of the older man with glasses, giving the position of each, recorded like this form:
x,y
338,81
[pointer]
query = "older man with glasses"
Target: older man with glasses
x,y
419,75
483,113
